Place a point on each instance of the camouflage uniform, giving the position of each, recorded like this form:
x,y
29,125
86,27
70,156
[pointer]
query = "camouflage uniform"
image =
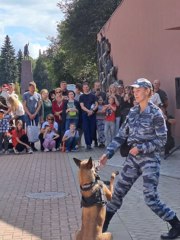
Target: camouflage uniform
x,y
147,131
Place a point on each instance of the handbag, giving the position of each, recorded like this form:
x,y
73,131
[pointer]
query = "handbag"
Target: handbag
x,y
33,132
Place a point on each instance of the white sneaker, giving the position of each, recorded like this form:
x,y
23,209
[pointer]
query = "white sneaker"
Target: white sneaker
x,y
54,150
15,151
46,150
29,151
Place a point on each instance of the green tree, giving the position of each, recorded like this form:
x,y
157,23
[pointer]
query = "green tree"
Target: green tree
x,y
40,73
58,64
19,64
8,67
78,33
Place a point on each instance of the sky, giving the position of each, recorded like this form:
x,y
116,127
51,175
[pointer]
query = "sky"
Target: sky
x,y
29,21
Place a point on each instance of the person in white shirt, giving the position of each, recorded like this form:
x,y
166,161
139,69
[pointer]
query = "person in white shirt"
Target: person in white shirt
x,y
16,109
155,98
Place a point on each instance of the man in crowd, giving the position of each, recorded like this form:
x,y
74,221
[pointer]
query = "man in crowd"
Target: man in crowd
x,y
97,90
162,94
78,91
63,86
32,105
89,106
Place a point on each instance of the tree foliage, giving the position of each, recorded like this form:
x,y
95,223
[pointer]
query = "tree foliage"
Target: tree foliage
x,y
72,54
40,73
8,67
78,33
19,64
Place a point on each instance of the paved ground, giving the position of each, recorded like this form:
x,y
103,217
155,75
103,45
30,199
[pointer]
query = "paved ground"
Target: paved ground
x,y
40,200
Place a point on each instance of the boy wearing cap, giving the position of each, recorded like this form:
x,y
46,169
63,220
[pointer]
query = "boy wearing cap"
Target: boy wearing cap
x,y
4,129
146,134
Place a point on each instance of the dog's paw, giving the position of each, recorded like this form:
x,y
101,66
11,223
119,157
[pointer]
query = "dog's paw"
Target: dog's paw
x,y
114,174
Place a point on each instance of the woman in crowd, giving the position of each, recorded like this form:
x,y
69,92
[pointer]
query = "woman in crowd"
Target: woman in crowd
x,y
145,131
46,104
19,139
52,95
72,109
50,137
127,102
16,108
58,110
113,92
50,121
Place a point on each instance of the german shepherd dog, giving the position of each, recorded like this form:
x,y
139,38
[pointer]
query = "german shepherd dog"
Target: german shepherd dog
x,y
94,194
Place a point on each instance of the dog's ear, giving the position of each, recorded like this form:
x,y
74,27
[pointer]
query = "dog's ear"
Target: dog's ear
x,y
89,164
77,162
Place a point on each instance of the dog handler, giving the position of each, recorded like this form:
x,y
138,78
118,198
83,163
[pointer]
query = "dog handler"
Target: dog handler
x,y
146,135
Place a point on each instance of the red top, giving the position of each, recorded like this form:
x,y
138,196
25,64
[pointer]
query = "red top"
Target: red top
x,y
110,114
57,108
17,134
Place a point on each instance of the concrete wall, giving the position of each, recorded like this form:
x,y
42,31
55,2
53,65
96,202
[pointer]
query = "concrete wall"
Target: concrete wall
x,y
142,44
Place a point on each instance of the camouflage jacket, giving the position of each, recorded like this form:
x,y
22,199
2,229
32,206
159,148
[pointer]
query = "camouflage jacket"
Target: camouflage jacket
x,y
146,130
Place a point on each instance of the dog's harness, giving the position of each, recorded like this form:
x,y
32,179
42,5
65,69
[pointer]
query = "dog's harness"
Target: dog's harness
x,y
97,197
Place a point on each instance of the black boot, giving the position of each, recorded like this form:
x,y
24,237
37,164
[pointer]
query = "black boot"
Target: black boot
x,y
33,147
109,215
174,232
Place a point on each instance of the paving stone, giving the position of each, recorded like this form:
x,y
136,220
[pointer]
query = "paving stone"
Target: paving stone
x,y
23,218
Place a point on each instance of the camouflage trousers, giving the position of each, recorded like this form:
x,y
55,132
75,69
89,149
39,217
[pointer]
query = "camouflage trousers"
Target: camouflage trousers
x,y
149,168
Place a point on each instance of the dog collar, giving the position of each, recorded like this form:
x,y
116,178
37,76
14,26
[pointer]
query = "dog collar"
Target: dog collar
x,y
87,187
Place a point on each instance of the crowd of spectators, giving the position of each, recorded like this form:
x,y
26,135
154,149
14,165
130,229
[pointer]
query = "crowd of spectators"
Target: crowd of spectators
x,y
63,116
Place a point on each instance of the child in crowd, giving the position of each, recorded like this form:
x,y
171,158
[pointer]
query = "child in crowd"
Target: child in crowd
x,y
71,138
50,138
49,122
20,139
100,115
4,129
110,119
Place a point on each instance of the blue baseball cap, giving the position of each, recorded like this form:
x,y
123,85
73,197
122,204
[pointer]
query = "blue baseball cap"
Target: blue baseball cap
x,y
142,82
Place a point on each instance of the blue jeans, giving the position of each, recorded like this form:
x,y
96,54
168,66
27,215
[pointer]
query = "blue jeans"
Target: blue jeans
x,y
3,141
89,127
71,143
29,121
109,131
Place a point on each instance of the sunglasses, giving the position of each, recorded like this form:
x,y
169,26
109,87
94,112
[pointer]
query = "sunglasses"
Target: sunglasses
x,y
58,92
